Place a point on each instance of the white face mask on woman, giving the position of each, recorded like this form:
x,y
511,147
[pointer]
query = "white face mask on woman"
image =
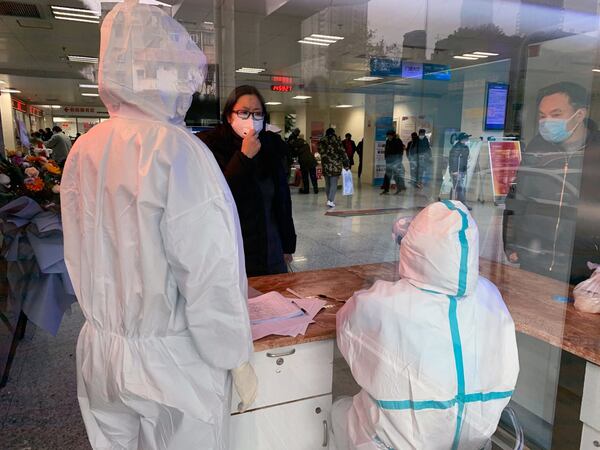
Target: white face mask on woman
x,y
243,126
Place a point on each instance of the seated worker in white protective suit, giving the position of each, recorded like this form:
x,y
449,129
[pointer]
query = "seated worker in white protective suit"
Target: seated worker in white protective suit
x,y
153,247
435,353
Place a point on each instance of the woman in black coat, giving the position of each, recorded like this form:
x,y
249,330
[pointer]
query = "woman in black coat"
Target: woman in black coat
x,y
251,160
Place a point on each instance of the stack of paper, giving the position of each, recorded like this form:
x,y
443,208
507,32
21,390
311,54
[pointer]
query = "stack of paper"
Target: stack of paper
x,y
272,313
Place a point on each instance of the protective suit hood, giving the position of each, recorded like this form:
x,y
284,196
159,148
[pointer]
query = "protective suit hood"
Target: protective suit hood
x,y
440,252
149,65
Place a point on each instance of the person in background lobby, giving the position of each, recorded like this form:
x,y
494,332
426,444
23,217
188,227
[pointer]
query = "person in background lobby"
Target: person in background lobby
x,y
552,215
60,145
435,353
350,148
250,159
394,168
308,166
412,154
359,152
333,160
458,162
153,248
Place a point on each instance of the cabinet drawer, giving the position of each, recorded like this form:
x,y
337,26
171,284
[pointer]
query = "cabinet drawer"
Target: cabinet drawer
x,y
291,373
590,404
301,425
590,438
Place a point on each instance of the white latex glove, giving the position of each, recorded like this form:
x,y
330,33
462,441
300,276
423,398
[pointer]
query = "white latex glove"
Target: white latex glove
x,y
246,384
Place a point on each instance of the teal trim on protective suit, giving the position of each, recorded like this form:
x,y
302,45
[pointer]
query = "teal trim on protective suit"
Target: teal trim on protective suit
x,y
464,248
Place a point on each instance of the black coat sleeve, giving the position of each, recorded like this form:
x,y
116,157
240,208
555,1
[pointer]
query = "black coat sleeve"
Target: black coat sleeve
x,y
282,203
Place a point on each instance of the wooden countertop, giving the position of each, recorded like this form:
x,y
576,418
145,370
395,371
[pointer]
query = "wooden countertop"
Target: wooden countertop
x,y
527,295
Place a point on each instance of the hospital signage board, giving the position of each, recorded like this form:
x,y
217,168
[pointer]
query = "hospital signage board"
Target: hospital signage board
x,y
81,111
385,67
439,72
412,70
505,157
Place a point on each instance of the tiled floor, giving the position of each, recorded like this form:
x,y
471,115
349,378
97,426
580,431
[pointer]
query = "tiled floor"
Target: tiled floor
x,y
38,407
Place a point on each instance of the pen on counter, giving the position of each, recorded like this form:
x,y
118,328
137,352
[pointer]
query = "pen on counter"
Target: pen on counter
x,y
301,308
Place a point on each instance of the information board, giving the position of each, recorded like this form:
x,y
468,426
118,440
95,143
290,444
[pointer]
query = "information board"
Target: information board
x,y
495,106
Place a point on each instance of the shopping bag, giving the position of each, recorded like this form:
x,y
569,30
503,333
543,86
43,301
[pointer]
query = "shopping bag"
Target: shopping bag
x,y
347,183
587,293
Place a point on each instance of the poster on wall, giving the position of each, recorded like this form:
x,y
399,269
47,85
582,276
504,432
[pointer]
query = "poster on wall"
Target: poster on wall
x,y
505,157
408,125
382,125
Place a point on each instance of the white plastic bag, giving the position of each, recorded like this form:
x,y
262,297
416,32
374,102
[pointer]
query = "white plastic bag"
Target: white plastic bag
x,y
347,182
587,293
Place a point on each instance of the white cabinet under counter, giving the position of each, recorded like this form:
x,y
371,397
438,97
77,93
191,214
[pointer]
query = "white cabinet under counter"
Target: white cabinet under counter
x,y
292,406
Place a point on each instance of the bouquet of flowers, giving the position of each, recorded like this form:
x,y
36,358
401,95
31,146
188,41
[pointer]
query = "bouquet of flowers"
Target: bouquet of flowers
x,y
36,177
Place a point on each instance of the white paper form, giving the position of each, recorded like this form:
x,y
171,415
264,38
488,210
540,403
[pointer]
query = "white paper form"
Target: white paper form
x,y
264,324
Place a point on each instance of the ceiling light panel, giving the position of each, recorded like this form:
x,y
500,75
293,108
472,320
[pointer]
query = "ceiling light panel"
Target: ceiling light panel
x,y
368,79
470,58
249,70
273,103
83,59
10,91
89,94
474,55
302,97
89,86
325,36
486,54
322,44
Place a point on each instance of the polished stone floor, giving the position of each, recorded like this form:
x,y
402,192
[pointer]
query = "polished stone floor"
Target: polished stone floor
x,y
38,407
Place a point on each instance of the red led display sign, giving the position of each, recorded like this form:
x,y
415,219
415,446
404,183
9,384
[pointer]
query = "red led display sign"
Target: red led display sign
x,y
282,79
281,88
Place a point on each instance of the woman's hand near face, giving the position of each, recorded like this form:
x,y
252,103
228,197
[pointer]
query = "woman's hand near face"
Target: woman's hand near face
x,y
251,144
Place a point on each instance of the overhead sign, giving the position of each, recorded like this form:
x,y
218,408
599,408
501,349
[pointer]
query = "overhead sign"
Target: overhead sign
x,y
412,70
19,105
385,67
81,111
282,79
439,72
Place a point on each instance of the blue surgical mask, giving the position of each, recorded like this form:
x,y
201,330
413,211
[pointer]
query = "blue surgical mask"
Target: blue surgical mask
x,y
555,130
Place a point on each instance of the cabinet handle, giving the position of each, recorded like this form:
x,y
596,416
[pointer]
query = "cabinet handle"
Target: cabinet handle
x,y
281,354
325,434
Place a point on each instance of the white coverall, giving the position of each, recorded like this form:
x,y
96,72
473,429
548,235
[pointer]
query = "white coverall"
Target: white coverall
x,y
435,353
152,245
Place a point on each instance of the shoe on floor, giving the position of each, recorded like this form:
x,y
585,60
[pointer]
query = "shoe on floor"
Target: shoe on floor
x,y
469,207
316,191
384,192
330,204
303,192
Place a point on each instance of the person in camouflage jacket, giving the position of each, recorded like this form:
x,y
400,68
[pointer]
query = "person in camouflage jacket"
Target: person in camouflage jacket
x,y
333,160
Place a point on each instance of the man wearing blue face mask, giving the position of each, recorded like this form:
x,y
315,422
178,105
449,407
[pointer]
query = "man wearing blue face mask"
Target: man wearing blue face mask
x,y
551,217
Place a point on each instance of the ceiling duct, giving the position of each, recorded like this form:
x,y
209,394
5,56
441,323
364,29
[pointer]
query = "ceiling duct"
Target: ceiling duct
x,y
15,9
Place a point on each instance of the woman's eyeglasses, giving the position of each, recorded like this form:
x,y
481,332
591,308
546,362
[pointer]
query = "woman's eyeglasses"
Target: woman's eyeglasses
x,y
242,114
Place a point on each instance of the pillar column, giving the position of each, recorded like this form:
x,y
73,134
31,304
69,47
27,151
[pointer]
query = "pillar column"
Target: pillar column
x,y
9,140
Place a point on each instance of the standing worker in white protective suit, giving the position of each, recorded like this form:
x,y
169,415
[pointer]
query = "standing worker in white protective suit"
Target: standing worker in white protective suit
x,y
152,244
435,353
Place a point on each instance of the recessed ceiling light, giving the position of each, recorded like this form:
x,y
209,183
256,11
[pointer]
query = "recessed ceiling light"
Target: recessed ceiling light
x,y
344,106
88,94
302,97
325,36
486,54
368,79
10,91
314,39
206,22
83,59
302,41
273,103
90,86
473,55
250,70
76,10
466,57
595,70
56,106
74,19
